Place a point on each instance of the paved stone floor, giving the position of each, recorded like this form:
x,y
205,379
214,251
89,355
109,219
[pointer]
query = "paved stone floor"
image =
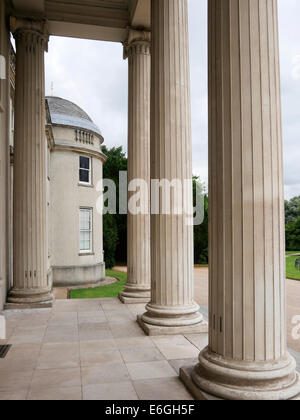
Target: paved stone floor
x,y
92,349
292,302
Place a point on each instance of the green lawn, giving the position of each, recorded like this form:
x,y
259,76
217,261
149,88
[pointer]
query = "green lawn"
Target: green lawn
x,y
291,271
112,290
292,252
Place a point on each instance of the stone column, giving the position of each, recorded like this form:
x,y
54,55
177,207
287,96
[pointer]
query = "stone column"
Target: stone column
x,y
247,355
137,50
172,309
31,288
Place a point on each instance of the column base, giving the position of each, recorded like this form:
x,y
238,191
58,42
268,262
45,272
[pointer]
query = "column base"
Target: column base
x,y
215,378
133,300
133,294
156,330
185,375
29,299
21,306
172,320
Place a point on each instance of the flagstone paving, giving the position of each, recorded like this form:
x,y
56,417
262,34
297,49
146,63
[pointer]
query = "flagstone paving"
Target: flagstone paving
x,y
292,303
92,350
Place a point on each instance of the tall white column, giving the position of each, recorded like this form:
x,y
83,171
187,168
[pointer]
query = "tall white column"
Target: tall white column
x,y
137,50
247,356
30,247
172,309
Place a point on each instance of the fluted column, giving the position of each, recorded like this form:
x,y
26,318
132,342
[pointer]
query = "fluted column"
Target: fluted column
x,y
30,254
172,308
137,50
247,355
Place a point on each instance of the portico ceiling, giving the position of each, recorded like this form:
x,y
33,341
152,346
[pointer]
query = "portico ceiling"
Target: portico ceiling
x,y
105,20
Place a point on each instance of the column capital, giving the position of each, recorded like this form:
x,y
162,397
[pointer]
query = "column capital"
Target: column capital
x,y
32,31
137,42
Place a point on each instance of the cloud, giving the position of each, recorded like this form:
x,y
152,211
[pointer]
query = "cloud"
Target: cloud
x,y
94,75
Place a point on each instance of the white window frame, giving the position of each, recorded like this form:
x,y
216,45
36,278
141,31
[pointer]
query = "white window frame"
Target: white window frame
x,y
90,211
84,169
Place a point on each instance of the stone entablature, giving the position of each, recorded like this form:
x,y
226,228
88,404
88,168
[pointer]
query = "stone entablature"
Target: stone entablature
x,y
64,138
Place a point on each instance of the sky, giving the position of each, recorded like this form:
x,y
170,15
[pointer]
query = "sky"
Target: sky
x,y
94,75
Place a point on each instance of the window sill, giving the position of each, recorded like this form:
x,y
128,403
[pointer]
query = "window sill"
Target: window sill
x,y
85,254
82,184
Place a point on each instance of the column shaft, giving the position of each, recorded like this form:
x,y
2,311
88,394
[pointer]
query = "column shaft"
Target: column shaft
x,y
30,253
172,309
137,49
247,355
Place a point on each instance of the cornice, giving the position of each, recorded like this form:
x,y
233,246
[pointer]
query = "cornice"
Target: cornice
x,y
76,149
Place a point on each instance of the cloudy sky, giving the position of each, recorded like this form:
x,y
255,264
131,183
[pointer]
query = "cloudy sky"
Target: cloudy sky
x,y
94,75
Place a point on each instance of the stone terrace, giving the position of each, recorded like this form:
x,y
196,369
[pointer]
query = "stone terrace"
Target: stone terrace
x,y
92,349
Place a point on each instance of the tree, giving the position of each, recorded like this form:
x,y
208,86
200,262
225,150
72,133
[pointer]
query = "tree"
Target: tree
x,y
110,239
115,226
292,210
292,220
201,231
293,236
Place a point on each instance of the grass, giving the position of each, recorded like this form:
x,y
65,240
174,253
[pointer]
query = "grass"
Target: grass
x,y
292,252
112,290
291,272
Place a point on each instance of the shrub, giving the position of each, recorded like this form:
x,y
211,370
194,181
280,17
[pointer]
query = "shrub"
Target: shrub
x,y
110,240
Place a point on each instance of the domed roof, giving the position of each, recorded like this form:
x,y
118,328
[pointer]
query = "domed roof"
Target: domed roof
x,y
66,113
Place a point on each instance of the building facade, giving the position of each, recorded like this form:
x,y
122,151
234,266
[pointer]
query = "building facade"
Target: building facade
x,y
75,162
247,354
